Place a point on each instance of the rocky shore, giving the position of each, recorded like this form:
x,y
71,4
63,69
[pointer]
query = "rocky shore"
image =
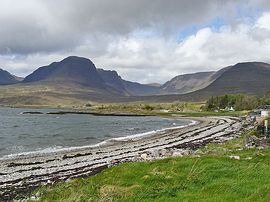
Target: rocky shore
x,y
21,174
85,113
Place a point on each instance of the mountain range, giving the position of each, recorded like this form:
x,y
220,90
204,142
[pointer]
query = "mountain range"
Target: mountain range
x,y
77,80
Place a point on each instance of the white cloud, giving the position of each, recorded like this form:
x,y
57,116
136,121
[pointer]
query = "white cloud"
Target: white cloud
x,y
264,21
204,51
141,46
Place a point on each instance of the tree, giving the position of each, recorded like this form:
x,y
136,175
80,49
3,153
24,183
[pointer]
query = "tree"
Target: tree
x,y
238,101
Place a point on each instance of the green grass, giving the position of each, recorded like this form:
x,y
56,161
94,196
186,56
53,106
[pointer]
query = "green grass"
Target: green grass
x,y
212,176
187,109
206,113
149,107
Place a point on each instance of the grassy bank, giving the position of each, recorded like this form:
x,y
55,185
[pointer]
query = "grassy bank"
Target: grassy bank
x,y
190,109
187,109
210,175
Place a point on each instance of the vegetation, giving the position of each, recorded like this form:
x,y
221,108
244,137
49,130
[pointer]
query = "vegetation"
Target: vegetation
x,y
214,106
237,101
163,109
265,99
212,176
149,108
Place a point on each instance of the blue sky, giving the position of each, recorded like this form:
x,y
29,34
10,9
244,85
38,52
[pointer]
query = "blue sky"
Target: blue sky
x,y
215,24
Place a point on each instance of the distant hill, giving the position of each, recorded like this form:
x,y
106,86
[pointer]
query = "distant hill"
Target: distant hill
x,y
249,77
6,78
112,79
73,69
72,81
187,83
154,84
126,87
76,80
82,71
135,88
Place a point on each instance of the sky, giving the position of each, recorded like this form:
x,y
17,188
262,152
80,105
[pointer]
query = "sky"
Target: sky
x,y
148,41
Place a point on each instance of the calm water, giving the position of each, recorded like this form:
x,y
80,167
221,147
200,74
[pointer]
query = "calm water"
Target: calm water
x,y
23,133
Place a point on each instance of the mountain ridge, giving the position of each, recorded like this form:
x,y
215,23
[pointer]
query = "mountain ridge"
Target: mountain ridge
x,y
71,69
78,78
6,78
186,83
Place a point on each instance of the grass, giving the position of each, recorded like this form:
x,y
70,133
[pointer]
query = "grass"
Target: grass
x,y
212,176
46,96
206,113
188,109
150,107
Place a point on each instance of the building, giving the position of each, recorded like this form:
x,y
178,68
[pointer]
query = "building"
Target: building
x,y
264,113
259,114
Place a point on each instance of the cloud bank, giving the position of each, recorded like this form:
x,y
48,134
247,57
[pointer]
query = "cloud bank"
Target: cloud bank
x,y
140,39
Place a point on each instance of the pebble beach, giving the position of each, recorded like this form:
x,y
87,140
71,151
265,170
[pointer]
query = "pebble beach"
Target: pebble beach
x,y
23,173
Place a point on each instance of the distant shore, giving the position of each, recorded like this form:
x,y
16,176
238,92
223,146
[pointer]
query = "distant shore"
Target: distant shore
x,y
84,112
22,174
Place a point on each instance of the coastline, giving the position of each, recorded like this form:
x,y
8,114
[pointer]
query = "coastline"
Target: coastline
x,y
24,173
104,143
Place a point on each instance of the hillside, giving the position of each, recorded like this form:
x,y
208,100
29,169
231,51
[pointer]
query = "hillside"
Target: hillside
x,y
138,89
6,78
112,79
127,87
187,83
250,78
76,81
70,82
70,70
56,94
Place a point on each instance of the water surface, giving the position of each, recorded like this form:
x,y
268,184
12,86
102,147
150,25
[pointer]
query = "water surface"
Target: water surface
x,y
25,132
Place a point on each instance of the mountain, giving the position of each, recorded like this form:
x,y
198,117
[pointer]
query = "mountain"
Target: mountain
x,y
187,83
6,78
138,89
248,77
82,71
154,84
126,87
73,69
75,81
71,82
112,79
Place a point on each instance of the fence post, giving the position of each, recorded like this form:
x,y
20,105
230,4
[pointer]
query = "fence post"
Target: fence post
x,y
266,126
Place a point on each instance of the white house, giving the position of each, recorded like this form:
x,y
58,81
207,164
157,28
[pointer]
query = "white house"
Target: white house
x,y
264,113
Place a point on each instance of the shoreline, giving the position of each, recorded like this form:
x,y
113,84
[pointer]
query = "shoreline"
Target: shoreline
x,y
84,113
25,173
108,142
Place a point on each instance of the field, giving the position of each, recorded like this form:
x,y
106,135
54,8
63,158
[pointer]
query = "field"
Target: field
x,y
188,109
212,174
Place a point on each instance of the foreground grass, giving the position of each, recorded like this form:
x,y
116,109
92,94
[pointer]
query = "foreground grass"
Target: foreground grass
x,y
212,176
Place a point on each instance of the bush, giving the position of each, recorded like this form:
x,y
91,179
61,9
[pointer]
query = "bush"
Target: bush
x,y
238,101
148,107
88,105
